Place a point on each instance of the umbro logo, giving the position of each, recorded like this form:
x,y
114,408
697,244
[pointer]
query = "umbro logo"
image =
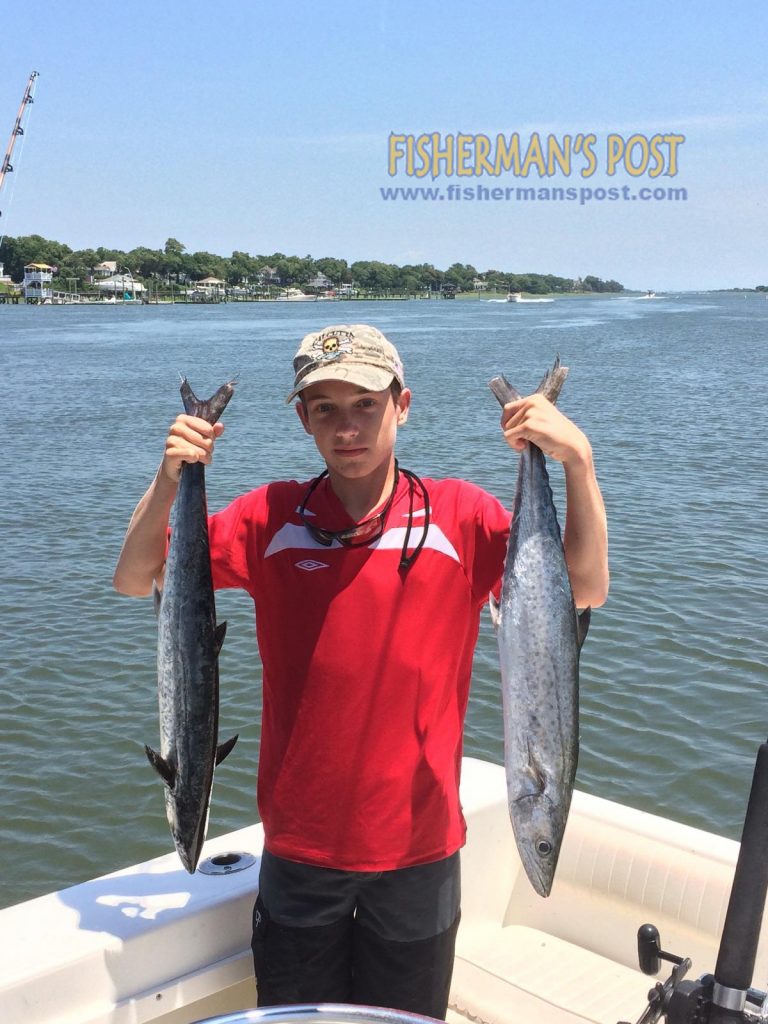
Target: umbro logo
x,y
309,565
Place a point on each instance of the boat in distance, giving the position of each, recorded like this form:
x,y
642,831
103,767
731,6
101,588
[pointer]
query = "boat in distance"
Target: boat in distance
x,y
151,943
518,297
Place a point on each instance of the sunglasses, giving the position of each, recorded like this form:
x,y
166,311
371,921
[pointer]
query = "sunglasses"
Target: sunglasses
x,y
370,529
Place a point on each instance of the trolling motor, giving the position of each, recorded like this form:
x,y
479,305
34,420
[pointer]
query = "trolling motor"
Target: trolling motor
x,y
724,997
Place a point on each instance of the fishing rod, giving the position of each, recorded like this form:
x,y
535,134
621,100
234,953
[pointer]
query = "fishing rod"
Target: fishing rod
x,y
18,128
725,997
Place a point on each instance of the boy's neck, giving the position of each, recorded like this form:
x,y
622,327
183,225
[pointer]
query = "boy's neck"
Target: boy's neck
x,y
361,496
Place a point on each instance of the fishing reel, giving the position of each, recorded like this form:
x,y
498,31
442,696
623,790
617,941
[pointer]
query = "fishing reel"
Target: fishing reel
x,y
724,997
692,1002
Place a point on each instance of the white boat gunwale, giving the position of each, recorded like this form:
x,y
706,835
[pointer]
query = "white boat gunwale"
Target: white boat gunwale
x,y
152,943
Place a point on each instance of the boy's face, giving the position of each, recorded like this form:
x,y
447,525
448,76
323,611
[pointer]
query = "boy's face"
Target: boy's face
x,y
354,429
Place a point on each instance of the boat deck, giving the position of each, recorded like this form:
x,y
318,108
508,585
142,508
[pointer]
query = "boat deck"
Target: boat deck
x,y
154,944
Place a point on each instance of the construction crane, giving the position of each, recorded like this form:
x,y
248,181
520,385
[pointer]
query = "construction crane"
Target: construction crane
x,y
18,129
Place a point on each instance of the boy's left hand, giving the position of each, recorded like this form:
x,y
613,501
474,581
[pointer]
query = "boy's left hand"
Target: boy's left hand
x,y
536,419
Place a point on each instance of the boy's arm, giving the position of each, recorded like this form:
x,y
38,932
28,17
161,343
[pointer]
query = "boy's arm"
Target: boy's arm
x,y
142,558
585,537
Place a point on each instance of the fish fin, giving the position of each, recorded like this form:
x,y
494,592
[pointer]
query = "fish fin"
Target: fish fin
x,y
211,409
535,773
503,390
189,398
224,749
218,637
165,770
550,386
548,374
583,620
553,380
494,607
157,596
217,403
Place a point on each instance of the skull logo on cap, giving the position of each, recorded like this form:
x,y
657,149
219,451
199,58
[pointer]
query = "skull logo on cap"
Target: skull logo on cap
x,y
332,345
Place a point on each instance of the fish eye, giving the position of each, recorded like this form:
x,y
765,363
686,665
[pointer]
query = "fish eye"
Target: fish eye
x,y
543,847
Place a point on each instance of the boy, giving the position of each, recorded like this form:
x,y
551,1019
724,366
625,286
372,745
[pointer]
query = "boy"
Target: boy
x,y
368,584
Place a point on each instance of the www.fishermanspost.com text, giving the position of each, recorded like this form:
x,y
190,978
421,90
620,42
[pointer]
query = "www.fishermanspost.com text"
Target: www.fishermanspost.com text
x,y
544,194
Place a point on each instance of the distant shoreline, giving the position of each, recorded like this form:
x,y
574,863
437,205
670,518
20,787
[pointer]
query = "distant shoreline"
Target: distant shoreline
x,y
528,298
496,297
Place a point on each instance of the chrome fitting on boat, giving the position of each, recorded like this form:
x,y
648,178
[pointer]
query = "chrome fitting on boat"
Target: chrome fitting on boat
x,y
729,998
227,863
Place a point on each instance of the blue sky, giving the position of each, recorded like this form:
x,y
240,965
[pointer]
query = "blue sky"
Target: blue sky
x,y
264,127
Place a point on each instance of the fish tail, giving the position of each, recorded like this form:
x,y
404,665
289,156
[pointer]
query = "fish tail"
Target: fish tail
x,y
551,385
210,409
503,390
553,380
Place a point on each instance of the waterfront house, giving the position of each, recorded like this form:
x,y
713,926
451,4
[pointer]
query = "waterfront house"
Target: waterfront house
x,y
106,269
121,283
320,282
211,286
38,282
268,275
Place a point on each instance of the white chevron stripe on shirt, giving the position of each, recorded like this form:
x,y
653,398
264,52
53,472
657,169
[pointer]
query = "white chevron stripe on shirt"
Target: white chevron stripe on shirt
x,y
292,536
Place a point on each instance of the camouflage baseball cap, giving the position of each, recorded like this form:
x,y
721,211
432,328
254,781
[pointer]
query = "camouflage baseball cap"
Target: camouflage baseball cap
x,y
353,352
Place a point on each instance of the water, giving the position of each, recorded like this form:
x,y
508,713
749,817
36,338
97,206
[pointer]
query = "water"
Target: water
x,y
672,393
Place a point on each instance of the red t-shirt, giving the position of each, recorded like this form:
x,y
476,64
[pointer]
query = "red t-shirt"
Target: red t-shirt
x,y
366,667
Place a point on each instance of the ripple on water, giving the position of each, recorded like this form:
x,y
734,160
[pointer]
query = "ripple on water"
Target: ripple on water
x,y
673,677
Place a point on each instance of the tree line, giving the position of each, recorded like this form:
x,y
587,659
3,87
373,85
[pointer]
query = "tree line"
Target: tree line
x,y
172,264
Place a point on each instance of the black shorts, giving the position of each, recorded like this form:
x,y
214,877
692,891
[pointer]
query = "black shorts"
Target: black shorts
x,y
377,938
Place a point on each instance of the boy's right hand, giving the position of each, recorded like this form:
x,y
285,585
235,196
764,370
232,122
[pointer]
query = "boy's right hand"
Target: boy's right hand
x,y
190,439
